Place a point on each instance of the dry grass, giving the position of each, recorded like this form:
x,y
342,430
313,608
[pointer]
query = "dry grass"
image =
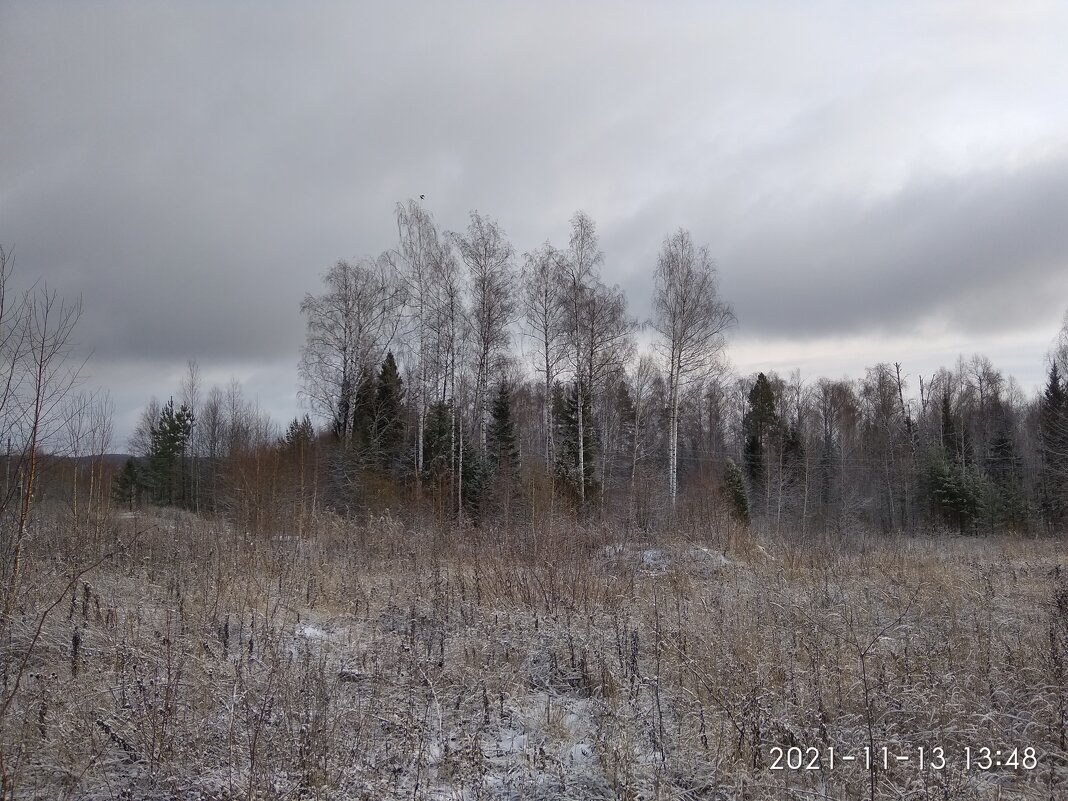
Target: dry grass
x,y
376,662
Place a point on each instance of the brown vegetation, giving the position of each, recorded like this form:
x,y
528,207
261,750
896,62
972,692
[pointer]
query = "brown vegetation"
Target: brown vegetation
x,y
381,660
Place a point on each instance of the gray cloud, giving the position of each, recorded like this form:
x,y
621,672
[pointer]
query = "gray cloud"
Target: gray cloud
x,y
981,253
192,169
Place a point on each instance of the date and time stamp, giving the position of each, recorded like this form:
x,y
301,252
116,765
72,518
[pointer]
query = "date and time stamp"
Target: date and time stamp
x,y
935,758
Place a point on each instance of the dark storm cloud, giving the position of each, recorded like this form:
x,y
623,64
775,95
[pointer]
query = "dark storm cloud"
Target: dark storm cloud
x,y
192,169
981,252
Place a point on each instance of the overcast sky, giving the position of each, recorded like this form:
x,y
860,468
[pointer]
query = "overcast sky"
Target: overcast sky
x,y
877,182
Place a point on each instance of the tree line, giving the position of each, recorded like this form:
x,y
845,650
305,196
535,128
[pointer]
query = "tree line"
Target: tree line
x,y
454,378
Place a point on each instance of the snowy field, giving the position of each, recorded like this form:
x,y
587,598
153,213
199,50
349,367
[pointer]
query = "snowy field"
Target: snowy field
x,y
379,663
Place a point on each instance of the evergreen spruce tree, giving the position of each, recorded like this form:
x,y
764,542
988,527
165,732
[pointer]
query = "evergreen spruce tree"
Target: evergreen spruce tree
x,y
363,414
624,468
733,488
958,493
793,453
300,432
628,420
499,474
387,429
168,473
760,421
565,414
1053,445
502,449
436,441
439,463
126,486
1008,504
476,476
827,473
955,488
343,410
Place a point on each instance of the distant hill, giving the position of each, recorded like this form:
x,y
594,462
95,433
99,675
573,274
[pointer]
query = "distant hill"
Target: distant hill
x,y
115,460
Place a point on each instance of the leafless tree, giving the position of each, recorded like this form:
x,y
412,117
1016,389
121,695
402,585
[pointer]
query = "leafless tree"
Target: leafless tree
x,y
580,271
190,392
101,429
86,420
691,320
595,326
889,443
493,305
418,253
349,327
211,432
609,346
141,440
449,337
242,419
14,347
1060,346
36,343
74,442
642,392
543,314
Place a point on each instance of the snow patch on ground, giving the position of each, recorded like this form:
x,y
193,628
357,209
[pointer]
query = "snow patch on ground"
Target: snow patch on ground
x,y
659,560
655,560
310,632
710,557
546,739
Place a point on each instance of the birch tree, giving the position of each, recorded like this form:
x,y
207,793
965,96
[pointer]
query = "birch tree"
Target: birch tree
x,y
641,390
596,333
419,249
87,427
448,332
579,270
191,390
544,316
211,431
349,328
101,429
691,321
491,278
609,347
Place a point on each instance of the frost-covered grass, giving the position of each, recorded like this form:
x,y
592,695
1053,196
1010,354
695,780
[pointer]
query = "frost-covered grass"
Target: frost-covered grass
x,y
376,662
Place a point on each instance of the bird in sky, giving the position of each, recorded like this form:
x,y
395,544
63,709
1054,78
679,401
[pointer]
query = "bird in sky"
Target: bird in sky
x,y
422,197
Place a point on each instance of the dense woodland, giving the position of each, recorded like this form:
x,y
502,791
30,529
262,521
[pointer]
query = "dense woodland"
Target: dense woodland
x,y
453,379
